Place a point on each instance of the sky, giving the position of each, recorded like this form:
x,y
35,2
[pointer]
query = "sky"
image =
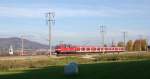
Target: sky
x,y
76,21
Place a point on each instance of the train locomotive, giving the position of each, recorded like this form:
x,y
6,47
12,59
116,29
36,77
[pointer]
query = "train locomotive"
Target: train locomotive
x,y
72,49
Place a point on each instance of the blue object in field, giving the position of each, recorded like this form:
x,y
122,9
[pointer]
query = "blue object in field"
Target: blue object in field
x,y
71,69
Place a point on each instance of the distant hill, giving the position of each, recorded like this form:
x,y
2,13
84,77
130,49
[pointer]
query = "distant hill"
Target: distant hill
x,y
16,43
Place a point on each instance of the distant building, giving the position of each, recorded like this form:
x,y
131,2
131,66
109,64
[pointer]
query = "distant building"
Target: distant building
x,y
11,52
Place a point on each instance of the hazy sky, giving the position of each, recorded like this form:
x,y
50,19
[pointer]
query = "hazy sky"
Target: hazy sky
x,y
77,21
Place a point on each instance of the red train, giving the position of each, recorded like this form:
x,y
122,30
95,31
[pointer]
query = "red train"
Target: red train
x,y
70,49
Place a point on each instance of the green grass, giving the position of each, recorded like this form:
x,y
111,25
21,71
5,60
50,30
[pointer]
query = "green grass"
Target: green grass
x,y
111,70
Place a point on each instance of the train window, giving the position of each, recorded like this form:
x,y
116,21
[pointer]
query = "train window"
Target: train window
x,y
106,48
83,49
78,49
112,48
98,48
93,48
101,48
109,48
116,48
88,49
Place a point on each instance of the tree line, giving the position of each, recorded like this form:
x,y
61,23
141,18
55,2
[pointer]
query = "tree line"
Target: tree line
x,y
135,45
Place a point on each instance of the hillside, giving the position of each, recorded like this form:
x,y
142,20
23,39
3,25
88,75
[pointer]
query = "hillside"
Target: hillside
x,y
16,43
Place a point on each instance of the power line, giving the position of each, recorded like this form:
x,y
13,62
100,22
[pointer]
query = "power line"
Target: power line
x,y
50,21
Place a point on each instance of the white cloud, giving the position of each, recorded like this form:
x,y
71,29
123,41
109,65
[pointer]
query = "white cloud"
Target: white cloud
x,y
21,12
66,12
99,12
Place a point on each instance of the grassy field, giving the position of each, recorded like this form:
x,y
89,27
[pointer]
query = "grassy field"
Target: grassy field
x,y
109,70
103,66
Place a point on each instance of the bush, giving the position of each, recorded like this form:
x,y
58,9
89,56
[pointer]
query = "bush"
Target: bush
x,y
128,56
4,67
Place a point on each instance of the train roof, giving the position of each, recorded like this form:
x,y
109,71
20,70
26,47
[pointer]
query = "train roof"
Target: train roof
x,y
70,45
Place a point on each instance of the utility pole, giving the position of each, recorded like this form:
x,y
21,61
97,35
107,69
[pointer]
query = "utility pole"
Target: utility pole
x,y
102,32
50,21
140,38
22,45
112,43
146,46
124,39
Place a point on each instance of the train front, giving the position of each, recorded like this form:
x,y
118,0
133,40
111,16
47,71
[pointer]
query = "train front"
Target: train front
x,y
65,49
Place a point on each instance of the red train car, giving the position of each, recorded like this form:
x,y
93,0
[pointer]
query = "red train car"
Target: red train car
x,y
70,49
